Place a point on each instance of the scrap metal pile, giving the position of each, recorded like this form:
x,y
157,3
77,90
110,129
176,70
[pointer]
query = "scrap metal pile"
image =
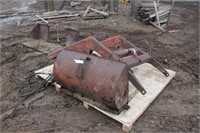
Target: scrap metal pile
x,y
101,71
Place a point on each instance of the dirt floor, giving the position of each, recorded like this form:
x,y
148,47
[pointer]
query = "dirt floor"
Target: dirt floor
x,y
176,109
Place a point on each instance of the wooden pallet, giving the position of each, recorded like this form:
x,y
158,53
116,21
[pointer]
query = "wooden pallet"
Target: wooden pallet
x,y
153,81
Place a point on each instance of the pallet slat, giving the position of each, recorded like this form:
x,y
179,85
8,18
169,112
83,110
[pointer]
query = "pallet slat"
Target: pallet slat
x,y
153,81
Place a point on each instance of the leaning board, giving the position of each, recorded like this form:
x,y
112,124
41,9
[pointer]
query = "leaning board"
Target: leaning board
x,y
152,80
41,45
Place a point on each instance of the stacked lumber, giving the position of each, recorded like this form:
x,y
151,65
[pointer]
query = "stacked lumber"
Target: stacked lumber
x,y
147,12
88,14
57,14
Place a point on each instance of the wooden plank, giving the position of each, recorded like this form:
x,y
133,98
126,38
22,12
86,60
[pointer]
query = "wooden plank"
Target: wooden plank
x,y
42,19
157,18
88,8
160,11
100,12
61,16
153,81
157,26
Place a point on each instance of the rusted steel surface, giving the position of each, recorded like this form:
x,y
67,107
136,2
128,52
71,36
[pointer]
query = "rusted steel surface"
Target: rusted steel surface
x,y
100,79
40,31
87,46
119,49
130,54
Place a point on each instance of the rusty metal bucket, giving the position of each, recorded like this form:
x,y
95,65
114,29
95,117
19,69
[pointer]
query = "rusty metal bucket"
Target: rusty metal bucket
x,y
40,31
100,79
119,49
130,54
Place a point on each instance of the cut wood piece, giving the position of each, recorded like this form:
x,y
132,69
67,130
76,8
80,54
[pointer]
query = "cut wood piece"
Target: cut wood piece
x,y
100,12
127,128
41,45
86,105
152,11
42,19
153,81
173,31
56,20
54,13
157,26
24,14
160,12
164,14
59,16
93,17
88,8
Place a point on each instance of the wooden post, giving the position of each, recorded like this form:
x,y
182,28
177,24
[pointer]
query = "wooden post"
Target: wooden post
x,y
112,5
116,5
172,6
126,128
157,17
102,3
134,7
50,5
63,4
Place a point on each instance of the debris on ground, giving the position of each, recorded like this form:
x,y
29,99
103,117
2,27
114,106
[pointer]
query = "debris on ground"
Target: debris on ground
x,y
158,14
69,15
95,14
176,108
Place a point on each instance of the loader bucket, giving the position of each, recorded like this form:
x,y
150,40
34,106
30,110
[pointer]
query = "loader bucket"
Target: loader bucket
x,y
99,79
130,54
